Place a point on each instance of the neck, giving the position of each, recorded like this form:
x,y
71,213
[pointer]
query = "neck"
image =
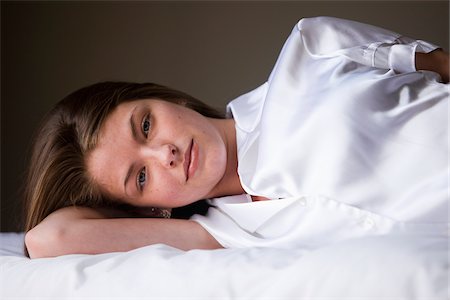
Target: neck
x,y
230,183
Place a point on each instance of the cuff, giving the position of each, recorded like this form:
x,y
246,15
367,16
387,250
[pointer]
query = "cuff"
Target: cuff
x,y
402,57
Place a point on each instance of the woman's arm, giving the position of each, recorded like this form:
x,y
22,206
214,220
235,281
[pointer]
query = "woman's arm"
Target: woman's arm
x,y
436,61
82,230
363,43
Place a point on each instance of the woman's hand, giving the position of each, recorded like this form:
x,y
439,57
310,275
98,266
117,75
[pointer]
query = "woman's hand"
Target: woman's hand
x,y
436,61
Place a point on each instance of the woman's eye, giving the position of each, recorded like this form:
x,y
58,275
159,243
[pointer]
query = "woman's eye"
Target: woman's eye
x,y
142,178
146,125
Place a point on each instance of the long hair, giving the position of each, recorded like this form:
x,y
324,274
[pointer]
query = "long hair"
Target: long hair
x,y
57,175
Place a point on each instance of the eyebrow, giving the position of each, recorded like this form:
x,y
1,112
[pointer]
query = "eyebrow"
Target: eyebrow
x,y
134,135
133,128
127,177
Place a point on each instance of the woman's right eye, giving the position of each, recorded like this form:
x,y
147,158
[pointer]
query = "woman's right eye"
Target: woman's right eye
x,y
142,178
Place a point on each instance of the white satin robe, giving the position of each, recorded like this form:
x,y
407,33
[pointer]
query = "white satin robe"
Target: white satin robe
x,y
345,137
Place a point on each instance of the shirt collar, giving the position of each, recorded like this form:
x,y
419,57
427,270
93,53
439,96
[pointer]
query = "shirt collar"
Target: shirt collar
x,y
246,109
250,215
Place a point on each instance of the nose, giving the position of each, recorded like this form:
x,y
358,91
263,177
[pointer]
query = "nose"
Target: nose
x,y
167,155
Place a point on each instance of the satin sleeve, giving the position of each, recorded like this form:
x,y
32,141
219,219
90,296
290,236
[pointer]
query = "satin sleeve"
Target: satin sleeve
x,y
366,44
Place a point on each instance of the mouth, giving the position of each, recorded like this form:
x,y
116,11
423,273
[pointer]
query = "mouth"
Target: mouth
x,y
191,160
187,159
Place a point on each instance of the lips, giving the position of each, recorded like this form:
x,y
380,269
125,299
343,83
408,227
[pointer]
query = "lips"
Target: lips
x,y
187,159
191,160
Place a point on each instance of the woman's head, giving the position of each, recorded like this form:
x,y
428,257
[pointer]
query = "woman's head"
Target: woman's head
x,y
156,153
64,147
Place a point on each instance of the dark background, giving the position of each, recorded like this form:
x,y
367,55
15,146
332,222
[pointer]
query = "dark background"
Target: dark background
x,y
213,50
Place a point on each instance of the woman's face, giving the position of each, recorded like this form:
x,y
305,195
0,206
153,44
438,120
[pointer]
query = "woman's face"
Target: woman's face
x,y
156,153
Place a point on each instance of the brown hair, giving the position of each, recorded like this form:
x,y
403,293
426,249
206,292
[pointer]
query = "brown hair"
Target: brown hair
x,y
57,174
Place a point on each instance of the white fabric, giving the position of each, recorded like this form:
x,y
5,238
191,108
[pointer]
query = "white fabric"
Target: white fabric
x,y
348,144
400,268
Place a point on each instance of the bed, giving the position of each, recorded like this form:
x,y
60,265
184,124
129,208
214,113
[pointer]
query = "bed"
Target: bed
x,y
394,267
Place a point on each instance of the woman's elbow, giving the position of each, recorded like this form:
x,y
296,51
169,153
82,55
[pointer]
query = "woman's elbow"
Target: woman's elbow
x,y
43,241
55,235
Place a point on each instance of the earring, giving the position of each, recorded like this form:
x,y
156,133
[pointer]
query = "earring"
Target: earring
x,y
156,212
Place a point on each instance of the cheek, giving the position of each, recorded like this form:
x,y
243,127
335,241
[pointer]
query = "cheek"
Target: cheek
x,y
217,159
165,191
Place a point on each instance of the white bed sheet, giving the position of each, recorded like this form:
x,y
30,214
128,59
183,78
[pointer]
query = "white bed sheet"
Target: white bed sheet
x,y
11,243
370,268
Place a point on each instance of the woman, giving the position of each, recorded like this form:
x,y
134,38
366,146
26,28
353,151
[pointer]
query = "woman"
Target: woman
x,y
345,137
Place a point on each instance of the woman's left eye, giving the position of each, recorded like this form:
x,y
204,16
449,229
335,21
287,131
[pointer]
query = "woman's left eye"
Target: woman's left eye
x,y
146,125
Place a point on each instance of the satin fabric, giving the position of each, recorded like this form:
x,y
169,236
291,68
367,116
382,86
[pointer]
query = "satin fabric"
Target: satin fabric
x,y
345,136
